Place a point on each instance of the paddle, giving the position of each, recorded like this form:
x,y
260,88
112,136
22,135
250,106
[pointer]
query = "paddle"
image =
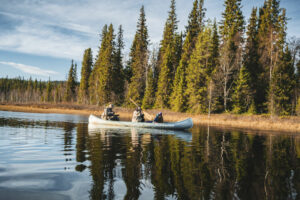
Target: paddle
x,y
147,114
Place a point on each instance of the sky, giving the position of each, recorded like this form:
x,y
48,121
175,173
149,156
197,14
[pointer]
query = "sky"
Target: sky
x,y
39,38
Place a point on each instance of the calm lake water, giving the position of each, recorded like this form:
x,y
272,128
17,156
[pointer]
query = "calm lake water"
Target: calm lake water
x,y
55,156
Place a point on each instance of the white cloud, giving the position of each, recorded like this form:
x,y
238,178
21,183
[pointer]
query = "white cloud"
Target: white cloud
x,y
84,21
30,69
65,28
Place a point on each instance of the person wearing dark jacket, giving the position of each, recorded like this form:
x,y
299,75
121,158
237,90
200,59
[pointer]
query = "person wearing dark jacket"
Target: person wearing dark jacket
x,y
159,118
109,114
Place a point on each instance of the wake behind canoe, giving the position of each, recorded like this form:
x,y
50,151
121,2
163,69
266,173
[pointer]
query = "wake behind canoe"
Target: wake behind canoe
x,y
181,125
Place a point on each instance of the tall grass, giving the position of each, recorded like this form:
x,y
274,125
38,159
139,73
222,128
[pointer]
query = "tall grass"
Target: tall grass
x,y
255,122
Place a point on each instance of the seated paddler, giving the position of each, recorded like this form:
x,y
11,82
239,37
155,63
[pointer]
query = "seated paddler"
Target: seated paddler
x,y
138,115
159,118
109,114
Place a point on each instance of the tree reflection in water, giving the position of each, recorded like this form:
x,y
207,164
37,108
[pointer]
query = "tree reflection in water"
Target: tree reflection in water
x,y
213,164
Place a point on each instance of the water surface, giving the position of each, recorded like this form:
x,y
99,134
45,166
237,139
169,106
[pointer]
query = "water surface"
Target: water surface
x,y
55,156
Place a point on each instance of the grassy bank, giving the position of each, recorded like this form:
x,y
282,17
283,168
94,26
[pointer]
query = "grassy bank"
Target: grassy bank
x,y
254,122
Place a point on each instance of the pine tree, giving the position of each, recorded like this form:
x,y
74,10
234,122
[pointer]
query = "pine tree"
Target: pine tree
x,y
283,83
85,75
199,73
71,84
231,29
149,98
138,61
118,78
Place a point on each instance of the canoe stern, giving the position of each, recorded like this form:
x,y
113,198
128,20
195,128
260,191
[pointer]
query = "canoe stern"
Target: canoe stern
x,y
184,125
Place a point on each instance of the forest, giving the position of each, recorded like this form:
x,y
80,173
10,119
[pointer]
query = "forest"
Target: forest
x,y
234,65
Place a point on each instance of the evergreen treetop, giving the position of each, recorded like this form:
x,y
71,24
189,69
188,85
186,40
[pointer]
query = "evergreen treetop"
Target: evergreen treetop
x,y
86,70
138,61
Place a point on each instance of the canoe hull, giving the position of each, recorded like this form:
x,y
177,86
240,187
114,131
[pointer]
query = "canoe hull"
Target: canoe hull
x,y
181,125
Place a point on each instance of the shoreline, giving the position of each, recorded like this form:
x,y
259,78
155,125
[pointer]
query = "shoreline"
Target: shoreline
x,y
248,122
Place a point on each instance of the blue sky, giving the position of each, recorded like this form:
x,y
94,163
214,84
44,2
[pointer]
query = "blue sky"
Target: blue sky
x,y
38,38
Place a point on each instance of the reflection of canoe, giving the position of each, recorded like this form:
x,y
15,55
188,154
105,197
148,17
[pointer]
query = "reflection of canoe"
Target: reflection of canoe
x,y
181,125
112,130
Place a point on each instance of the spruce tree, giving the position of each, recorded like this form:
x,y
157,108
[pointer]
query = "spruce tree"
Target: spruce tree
x,y
118,78
269,49
164,86
138,61
100,82
283,83
57,94
93,79
213,91
178,51
104,66
199,73
193,21
75,73
231,29
71,84
167,59
48,97
215,47
298,78
280,26
169,32
251,66
85,75
201,15
149,98
243,94
298,89
178,100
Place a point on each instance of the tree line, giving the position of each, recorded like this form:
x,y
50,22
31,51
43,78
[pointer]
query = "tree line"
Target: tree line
x,y
210,67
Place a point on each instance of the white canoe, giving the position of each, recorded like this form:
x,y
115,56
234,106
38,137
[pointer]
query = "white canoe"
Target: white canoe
x,y
181,125
106,130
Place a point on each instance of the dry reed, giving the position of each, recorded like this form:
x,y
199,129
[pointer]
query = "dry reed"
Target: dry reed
x,y
254,122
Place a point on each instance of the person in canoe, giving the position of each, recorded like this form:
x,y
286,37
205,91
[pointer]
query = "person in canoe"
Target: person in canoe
x,y
109,114
138,115
159,118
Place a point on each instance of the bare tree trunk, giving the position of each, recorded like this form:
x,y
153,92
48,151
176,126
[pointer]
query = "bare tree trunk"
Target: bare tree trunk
x,y
210,98
270,81
225,92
